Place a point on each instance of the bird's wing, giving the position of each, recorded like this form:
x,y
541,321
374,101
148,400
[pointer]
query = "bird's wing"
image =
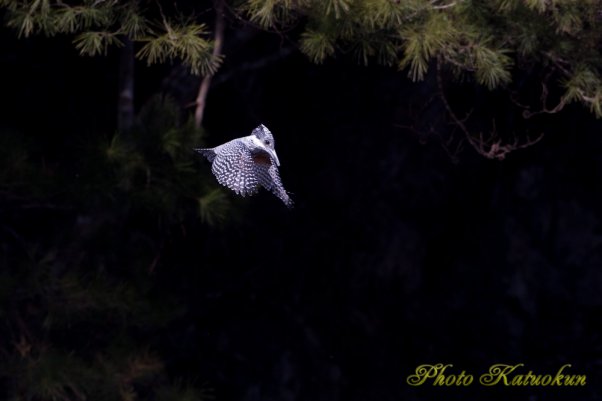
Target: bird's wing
x,y
269,178
208,153
234,168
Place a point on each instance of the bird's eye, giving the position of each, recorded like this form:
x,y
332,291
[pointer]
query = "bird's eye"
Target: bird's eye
x,y
267,142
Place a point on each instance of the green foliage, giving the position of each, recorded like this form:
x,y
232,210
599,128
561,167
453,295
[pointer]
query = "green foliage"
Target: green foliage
x,y
95,43
101,25
435,37
44,373
268,13
79,301
213,207
337,7
49,17
108,363
491,66
184,42
585,86
483,39
155,164
317,46
50,374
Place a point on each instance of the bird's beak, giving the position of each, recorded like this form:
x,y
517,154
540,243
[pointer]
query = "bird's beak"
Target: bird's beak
x,y
274,156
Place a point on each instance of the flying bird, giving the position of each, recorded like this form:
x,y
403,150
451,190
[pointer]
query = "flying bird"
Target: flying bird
x,y
244,164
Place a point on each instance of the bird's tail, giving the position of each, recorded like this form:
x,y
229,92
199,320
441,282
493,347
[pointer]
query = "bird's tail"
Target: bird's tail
x,y
284,197
207,152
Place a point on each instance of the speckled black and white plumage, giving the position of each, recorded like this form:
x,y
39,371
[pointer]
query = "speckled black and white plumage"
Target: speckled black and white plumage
x,y
244,164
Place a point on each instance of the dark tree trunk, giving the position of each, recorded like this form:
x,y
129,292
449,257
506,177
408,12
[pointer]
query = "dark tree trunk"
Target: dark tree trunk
x,y
125,105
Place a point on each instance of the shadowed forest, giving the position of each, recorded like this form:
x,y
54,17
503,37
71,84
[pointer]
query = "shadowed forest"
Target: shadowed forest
x,y
439,218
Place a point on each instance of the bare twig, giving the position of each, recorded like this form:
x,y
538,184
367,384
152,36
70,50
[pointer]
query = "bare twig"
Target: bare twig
x,y
217,50
442,7
492,147
527,113
561,65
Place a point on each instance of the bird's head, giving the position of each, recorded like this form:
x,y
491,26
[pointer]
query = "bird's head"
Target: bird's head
x,y
262,138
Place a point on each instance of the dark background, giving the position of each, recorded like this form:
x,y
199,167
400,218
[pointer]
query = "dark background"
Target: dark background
x,y
395,255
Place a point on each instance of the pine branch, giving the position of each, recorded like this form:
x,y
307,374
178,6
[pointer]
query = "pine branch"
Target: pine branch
x,y
270,13
317,46
337,7
213,207
95,43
